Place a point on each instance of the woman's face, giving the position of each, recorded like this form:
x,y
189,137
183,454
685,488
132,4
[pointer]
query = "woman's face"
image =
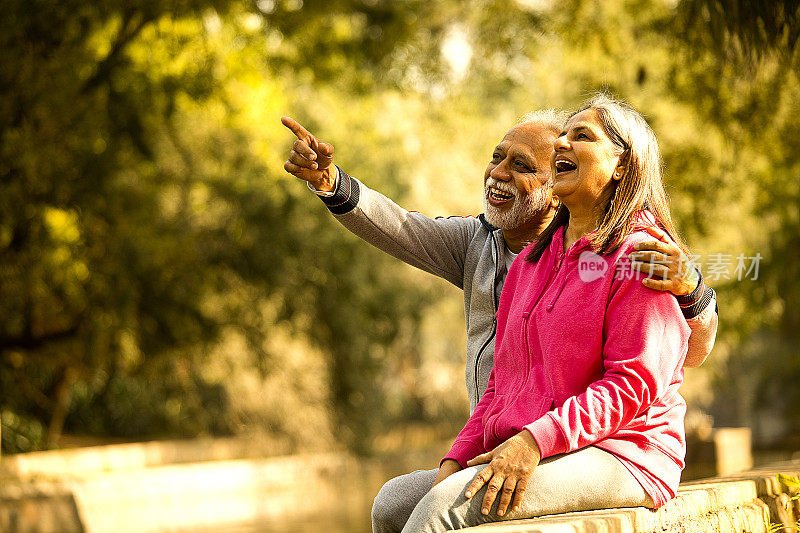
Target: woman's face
x,y
584,161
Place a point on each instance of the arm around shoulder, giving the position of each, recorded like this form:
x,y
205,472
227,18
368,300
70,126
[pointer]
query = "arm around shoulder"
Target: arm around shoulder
x,y
700,311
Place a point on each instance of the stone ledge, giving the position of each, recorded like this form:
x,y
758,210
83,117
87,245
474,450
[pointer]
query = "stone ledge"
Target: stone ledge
x,y
749,501
177,497
136,455
112,494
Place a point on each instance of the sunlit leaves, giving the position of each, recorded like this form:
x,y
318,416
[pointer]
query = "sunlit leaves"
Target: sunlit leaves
x,y
742,30
147,227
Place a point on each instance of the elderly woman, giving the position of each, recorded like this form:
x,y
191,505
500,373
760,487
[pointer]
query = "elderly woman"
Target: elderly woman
x,y
582,410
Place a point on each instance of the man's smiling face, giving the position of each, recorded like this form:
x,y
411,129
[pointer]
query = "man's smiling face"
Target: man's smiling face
x,y
517,180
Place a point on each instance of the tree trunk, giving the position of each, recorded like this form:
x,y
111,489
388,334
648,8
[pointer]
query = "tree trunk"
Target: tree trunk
x,y
63,397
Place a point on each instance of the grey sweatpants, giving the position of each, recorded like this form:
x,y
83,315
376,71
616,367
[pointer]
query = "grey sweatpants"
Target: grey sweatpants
x,y
583,480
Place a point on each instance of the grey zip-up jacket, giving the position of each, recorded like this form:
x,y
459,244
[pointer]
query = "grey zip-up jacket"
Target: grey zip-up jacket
x,y
468,252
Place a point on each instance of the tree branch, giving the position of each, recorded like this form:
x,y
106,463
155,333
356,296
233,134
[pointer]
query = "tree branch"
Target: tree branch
x,y
128,31
28,341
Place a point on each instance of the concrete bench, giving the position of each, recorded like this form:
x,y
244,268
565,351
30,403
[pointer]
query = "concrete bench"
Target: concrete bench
x,y
750,501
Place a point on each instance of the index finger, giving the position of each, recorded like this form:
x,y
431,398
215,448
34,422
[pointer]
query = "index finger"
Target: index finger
x,y
296,128
659,234
481,479
663,247
479,460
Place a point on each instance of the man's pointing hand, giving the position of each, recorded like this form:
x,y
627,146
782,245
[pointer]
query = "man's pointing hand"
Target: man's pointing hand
x,y
310,159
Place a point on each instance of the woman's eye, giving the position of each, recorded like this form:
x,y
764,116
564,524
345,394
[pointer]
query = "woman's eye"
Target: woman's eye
x,y
581,136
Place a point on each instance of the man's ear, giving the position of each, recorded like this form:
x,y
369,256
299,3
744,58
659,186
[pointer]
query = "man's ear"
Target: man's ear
x,y
554,201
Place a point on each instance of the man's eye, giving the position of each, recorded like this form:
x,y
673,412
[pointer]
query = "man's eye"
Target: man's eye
x,y
523,166
581,135
496,156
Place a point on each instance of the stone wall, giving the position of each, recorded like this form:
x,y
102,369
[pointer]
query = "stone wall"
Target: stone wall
x,y
190,486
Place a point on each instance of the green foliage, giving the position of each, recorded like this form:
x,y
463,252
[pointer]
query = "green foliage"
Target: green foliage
x,y
740,29
139,221
95,276
21,433
156,262
793,483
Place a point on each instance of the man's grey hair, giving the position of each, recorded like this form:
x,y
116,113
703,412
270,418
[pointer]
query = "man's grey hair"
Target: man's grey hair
x,y
552,119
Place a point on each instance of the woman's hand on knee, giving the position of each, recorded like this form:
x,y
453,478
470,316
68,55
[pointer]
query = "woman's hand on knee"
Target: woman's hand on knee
x,y
510,467
447,468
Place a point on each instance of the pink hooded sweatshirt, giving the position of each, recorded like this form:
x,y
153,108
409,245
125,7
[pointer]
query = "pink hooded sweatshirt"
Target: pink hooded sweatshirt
x,y
587,356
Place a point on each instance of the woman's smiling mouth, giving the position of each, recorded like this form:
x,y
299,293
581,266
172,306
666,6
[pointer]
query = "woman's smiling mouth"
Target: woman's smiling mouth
x,y
564,165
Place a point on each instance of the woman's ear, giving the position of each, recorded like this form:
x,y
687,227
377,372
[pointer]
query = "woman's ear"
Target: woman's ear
x,y
622,163
619,171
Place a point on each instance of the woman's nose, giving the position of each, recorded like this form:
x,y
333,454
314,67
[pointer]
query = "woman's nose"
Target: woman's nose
x,y
561,144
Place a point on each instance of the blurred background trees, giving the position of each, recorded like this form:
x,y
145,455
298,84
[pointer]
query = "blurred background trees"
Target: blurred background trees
x,y
162,276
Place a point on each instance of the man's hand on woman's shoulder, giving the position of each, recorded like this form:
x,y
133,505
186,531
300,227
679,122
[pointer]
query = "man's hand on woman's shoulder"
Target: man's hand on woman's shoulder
x,y
668,268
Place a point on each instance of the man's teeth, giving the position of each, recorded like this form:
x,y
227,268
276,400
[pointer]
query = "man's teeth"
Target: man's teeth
x,y
499,195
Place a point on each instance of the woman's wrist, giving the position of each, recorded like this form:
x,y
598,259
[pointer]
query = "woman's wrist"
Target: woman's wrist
x,y
527,438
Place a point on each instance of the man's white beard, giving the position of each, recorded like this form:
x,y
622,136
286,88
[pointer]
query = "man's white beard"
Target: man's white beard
x,y
523,211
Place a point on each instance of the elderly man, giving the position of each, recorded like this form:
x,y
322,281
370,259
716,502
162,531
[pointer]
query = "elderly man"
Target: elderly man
x,y
474,253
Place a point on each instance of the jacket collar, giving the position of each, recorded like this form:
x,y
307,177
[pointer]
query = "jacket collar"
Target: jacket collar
x,y
639,221
486,224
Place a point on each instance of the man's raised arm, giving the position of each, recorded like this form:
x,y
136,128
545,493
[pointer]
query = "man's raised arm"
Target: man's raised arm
x,y
438,246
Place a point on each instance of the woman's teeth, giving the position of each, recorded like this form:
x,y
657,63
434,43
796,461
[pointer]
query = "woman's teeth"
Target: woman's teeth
x,y
562,165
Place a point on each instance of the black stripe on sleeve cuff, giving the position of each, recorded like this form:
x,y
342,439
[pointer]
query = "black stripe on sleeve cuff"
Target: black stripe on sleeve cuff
x,y
345,198
694,303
